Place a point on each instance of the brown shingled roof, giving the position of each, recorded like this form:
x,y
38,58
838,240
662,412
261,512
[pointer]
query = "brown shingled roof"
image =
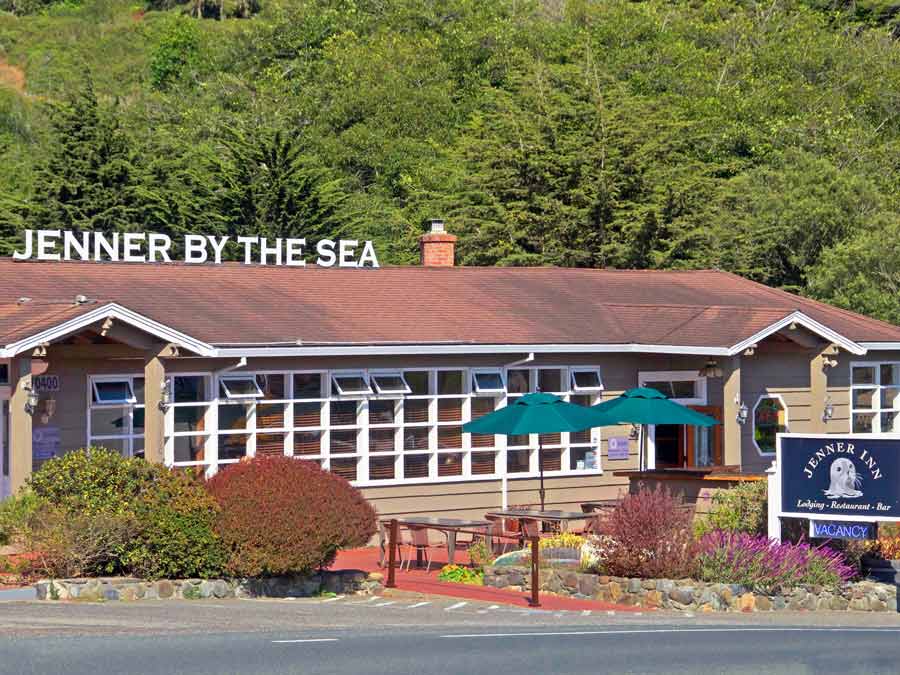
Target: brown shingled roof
x,y
238,304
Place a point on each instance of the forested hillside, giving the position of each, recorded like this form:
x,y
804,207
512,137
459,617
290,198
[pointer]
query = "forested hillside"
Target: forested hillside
x,y
757,137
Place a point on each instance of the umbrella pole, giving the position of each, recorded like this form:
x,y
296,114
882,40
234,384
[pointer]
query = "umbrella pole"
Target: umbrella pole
x,y
541,468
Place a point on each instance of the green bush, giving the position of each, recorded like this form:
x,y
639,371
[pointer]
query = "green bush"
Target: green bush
x,y
14,515
177,51
743,508
458,574
101,513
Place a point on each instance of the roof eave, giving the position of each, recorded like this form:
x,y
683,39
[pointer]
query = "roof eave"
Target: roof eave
x,y
798,317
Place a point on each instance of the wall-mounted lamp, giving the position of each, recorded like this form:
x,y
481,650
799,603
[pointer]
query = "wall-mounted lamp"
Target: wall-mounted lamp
x,y
31,403
165,398
828,363
828,410
710,369
742,414
634,433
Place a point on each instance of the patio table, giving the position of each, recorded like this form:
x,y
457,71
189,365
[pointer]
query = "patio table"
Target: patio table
x,y
545,516
449,526
599,505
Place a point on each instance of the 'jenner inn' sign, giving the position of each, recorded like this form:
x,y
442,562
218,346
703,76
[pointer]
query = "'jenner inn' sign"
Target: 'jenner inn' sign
x,y
197,248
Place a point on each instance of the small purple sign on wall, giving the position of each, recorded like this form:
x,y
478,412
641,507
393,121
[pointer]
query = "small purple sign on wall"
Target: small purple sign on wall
x,y
617,447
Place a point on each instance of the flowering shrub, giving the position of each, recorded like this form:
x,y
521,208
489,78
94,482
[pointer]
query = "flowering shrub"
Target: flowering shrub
x,y
653,536
562,540
757,563
742,508
283,516
458,574
595,552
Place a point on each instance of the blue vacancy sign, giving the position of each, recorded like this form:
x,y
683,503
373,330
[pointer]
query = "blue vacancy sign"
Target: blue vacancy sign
x,y
831,529
840,477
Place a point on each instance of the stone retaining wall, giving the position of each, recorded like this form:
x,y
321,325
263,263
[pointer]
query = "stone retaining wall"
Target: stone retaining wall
x,y
687,594
345,582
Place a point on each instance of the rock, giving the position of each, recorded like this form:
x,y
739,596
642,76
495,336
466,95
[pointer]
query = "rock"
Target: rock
x,y
838,603
653,599
110,593
376,576
747,602
587,584
763,603
128,593
571,579
648,584
798,600
665,585
206,589
165,589
779,602
634,585
615,591
877,605
221,589
683,595
726,595
860,604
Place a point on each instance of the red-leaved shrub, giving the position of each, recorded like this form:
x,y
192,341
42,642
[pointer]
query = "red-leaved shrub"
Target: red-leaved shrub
x,y
285,516
652,534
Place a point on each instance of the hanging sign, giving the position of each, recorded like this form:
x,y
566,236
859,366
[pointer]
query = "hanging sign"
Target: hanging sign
x,y
842,478
45,443
139,247
617,447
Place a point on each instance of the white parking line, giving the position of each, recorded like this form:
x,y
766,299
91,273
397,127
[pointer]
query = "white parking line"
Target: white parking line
x,y
386,604
418,604
334,599
286,642
365,602
644,631
586,612
456,606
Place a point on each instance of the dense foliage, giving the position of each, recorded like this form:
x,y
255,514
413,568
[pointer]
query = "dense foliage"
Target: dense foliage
x,y
94,512
758,137
283,516
742,508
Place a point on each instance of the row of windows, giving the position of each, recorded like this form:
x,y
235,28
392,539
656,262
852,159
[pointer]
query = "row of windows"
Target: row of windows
x,y
370,427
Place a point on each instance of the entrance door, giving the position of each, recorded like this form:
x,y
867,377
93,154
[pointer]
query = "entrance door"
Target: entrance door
x,y
679,446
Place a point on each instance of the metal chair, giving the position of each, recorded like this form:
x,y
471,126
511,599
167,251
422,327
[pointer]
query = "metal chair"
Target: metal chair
x,y
416,540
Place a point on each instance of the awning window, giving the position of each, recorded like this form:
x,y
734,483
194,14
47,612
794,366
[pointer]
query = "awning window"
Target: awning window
x,y
244,386
390,383
586,379
112,392
348,384
488,382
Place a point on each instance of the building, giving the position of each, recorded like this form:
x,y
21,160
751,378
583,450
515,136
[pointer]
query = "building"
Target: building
x,y
372,372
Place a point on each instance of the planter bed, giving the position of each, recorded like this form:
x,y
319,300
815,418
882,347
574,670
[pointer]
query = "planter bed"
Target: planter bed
x,y
344,582
687,594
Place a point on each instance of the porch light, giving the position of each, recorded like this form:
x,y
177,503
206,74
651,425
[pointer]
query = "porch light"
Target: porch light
x,y
31,403
634,433
742,414
165,397
710,369
828,410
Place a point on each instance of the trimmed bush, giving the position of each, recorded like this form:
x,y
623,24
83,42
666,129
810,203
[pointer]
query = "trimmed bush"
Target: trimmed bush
x,y
759,564
653,536
285,516
743,508
100,513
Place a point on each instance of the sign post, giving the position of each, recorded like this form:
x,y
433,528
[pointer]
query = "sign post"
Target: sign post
x,y
853,479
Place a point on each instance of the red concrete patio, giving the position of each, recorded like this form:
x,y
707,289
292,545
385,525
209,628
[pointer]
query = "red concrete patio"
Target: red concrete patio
x,y
422,581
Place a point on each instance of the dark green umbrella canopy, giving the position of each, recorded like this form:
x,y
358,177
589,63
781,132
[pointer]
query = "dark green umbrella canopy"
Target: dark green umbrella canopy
x,y
535,414
644,405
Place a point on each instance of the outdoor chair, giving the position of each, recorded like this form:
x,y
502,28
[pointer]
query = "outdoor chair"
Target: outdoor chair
x,y
415,539
498,536
531,528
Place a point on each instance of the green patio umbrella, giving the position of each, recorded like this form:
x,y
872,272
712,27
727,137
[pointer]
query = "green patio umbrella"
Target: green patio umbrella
x,y
643,406
535,414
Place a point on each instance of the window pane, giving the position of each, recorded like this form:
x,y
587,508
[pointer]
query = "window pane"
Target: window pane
x,y
382,412
450,464
582,458
189,418
381,468
449,437
308,414
115,444
112,392
270,415
270,444
768,420
233,446
188,389
233,416
417,381
684,389
517,461
350,384
343,442
864,375
586,379
450,382
484,463
890,374
491,381
245,386
382,440
345,467
862,423
307,442
890,422
308,385
109,421
415,411
189,448
550,439
864,398
272,386
415,438
137,447
389,384
581,436
517,381
450,409
552,460
519,439
137,385
138,421
550,379
890,398
343,413
662,387
415,466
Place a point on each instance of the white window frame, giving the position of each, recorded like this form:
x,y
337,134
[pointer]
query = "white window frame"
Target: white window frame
x,y
488,371
787,420
131,400
585,390
130,438
335,375
373,380
223,384
876,410
700,383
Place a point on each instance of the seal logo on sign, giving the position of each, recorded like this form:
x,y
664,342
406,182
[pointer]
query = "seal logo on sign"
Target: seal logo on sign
x,y
843,480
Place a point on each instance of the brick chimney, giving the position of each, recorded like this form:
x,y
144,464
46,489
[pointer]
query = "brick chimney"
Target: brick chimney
x,y
437,247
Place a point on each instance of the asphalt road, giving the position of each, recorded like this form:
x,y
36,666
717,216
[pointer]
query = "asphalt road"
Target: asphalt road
x,y
429,635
